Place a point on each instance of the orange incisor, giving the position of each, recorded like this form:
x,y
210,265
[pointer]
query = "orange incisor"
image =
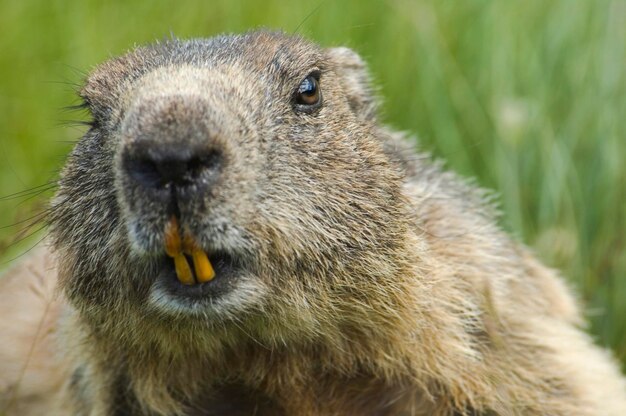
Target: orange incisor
x,y
176,247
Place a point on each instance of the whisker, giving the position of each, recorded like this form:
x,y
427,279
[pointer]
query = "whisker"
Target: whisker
x,y
75,86
24,233
362,25
34,219
308,16
28,192
78,72
82,106
35,195
27,250
74,123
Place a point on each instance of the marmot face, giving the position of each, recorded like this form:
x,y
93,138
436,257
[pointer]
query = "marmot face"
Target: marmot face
x,y
236,178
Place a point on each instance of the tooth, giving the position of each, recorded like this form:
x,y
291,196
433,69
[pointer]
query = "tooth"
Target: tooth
x,y
202,265
183,271
172,238
173,249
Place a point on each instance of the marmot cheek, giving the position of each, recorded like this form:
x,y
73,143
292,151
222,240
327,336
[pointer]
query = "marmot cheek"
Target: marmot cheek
x,y
176,247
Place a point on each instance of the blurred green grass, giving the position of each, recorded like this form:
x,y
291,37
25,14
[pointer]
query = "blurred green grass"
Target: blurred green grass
x,y
527,96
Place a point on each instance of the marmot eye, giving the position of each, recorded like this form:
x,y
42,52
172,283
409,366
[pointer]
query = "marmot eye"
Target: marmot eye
x,y
309,91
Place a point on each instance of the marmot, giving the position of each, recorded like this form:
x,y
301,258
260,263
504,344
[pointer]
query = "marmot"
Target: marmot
x,y
237,234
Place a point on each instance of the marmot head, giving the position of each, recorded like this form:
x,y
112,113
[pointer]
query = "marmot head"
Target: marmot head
x,y
234,183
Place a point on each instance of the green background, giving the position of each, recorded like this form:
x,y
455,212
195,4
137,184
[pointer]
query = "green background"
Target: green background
x,y
527,96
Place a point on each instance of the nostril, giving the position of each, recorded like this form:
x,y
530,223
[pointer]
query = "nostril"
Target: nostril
x,y
153,170
211,161
144,171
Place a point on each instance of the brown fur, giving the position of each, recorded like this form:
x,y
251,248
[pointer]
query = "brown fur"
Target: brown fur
x,y
372,282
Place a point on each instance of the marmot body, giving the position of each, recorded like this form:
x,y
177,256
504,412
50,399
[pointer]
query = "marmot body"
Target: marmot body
x,y
352,275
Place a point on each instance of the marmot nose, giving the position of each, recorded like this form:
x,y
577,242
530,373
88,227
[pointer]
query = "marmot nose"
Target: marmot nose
x,y
155,167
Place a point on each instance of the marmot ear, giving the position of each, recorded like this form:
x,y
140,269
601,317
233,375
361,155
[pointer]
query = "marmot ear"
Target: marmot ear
x,y
102,90
356,81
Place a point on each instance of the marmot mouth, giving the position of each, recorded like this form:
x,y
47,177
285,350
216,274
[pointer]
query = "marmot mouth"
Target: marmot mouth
x,y
191,271
226,269
183,248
